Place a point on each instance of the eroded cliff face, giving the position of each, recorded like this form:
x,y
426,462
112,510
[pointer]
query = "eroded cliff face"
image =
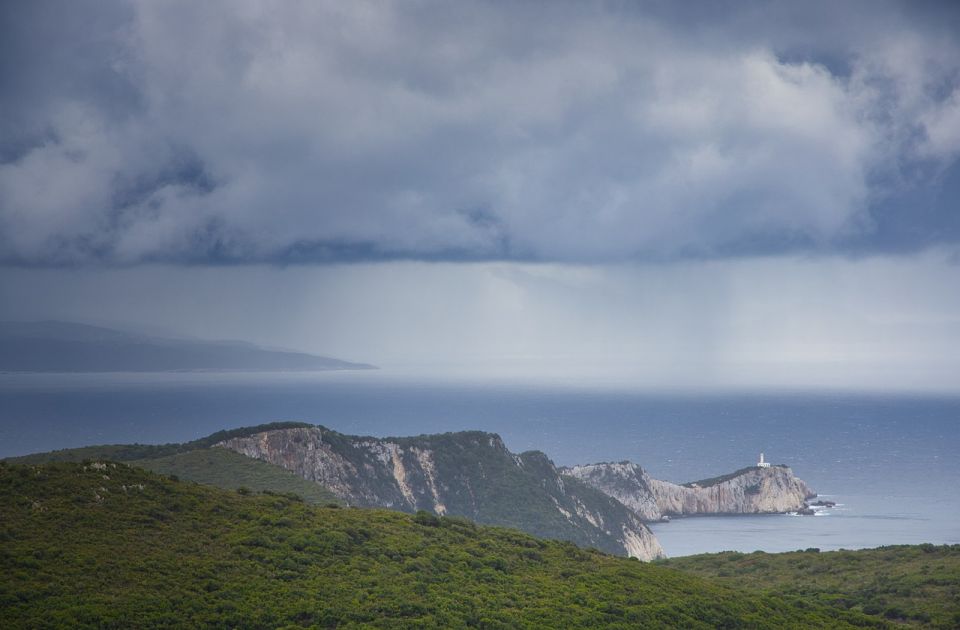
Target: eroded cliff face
x,y
624,481
748,491
361,471
469,474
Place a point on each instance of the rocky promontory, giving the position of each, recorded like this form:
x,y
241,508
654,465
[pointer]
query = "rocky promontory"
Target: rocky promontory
x,y
473,474
470,474
753,490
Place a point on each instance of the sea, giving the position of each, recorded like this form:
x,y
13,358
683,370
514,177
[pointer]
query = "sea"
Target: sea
x,y
890,462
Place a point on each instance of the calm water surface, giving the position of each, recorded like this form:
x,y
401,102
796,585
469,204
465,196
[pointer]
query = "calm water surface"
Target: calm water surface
x,y
890,461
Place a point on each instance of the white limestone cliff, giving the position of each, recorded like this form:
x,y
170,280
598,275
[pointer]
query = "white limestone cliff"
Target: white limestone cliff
x,y
751,490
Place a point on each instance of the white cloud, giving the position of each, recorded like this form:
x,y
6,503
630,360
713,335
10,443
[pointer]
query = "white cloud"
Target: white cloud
x,y
942,124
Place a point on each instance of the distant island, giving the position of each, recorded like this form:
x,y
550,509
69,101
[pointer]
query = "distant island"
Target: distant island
x,y
53,346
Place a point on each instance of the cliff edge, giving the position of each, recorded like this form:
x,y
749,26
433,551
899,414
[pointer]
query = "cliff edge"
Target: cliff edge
x,y
469,474
752,490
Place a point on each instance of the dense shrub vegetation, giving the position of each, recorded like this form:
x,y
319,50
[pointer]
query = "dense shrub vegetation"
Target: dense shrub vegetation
x,y
108,545
918,584
227,469
715,481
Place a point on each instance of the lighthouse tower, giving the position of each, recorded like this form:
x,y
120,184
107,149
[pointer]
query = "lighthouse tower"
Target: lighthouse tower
x,y
761,463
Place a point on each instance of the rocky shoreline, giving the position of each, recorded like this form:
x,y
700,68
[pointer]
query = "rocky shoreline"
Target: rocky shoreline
x,y
753,490
472,474
808,508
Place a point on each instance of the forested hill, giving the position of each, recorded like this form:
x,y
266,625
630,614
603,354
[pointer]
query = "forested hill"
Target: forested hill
x,y
107,545
472,473
910,584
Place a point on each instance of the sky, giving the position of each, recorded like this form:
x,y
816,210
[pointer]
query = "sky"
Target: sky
x,y
705,193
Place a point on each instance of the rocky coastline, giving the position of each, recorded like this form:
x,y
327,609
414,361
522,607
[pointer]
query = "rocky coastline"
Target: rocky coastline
x,y
472,474
753,490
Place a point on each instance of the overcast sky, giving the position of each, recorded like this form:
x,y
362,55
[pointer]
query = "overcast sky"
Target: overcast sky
x,y
703,193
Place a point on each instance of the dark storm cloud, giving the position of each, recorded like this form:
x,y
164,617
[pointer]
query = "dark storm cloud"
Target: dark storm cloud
x,y
299,132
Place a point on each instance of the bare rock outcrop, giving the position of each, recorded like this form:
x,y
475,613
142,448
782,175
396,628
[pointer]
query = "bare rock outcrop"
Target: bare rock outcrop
x,y
626,482
752,490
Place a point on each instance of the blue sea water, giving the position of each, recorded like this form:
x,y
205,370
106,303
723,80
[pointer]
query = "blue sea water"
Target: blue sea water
x,y
890,462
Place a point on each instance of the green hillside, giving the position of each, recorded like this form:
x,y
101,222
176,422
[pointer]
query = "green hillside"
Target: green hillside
x,y
226,469
918,584
466,473
480,479
130,452
114,546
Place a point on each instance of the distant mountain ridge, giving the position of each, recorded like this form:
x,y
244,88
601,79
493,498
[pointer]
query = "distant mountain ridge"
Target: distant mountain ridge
x,y
53,346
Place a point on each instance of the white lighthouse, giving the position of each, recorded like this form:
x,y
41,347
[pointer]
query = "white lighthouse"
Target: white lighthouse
x,y
761,463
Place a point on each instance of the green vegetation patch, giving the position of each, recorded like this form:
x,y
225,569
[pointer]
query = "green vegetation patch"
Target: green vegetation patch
x,y
712,481
113,546
226,469
130,452
917,584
